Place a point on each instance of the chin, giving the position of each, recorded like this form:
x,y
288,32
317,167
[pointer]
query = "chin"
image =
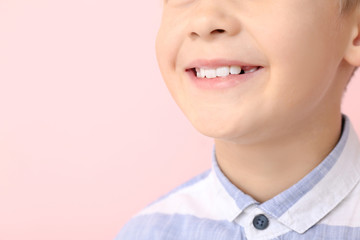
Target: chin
x,y
237,131
217,130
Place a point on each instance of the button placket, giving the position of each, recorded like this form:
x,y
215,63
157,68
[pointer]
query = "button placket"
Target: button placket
x,y
272,231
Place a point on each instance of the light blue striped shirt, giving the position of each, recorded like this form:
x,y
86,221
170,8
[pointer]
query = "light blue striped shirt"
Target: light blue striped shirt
x,y
325,204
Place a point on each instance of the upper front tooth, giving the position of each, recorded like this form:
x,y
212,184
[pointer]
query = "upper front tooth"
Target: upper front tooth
x,y
210,73
235,69
222,71
202,72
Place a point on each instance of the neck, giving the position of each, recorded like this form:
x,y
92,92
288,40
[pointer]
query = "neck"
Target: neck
x,y
265,169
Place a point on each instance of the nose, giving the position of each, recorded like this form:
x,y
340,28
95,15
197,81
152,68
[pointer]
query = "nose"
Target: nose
x,y
211,19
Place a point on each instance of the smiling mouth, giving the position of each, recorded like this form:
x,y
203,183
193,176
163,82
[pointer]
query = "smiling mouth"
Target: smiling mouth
x,y
222,72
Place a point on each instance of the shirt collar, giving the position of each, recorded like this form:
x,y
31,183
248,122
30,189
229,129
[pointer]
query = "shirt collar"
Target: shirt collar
x,y
314,196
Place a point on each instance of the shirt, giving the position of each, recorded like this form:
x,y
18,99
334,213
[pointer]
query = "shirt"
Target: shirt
x,y
325,204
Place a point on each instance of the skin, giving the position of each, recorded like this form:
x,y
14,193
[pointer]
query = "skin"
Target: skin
x,y
271,131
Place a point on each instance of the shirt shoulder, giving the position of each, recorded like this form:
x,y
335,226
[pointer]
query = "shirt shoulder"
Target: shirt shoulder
x,y
161,218
347,213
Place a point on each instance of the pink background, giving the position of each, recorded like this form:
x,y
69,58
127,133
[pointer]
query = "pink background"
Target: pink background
x,y
89,134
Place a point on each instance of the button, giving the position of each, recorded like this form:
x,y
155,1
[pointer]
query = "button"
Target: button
x,y
261,222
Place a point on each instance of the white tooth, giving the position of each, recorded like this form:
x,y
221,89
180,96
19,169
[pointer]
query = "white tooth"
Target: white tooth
x,y
197,72
210,73
235,69
202,72
251,70
222,71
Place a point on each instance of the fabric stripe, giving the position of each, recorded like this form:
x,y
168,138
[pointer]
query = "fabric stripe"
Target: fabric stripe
x,y
325,232
179,227
187,227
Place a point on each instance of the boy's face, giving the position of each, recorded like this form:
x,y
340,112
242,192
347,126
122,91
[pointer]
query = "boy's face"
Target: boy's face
x,y
298,43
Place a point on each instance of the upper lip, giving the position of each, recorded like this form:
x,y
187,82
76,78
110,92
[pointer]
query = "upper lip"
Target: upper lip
x,y
215,63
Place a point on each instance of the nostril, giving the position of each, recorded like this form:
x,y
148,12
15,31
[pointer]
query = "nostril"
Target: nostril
x,y
194,34
218,31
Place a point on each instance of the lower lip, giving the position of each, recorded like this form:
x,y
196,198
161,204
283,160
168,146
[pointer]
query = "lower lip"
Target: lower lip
x,y
229,81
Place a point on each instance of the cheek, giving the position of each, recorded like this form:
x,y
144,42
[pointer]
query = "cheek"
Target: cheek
x,y
166,56
168,43
296,93
301,65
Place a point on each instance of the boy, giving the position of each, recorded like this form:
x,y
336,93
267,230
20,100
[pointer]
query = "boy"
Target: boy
x,y
265,79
